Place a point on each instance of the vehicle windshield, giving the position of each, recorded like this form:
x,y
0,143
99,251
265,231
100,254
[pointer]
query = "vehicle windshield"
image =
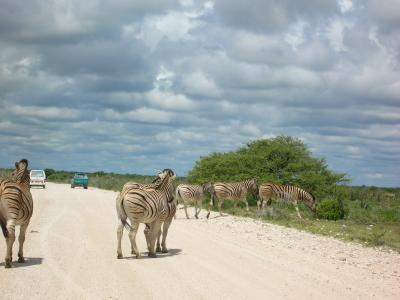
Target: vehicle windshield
x,y
37,174
80,175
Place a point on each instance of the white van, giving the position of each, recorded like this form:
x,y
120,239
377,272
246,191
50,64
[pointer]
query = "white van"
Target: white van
x,y
38,178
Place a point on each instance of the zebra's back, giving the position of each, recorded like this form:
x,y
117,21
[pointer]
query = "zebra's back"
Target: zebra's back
x,y
17,200
190,192
229,191
288,192
145,206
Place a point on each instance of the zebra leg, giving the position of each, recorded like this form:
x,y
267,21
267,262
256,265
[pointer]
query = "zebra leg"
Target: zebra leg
x,y
146,232
158,245
10,242
21,240
200,207
247,204
297,209
220,206
209,208
166,225
154,230
184,206
120,230
132,237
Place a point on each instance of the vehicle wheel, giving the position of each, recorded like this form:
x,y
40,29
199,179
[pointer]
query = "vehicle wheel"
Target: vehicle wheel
x,y
44,186
72,186
85,187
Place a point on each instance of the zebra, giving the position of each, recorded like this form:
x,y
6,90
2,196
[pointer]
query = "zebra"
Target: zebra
x,y
193,193
287,193
161,245
165,225
233,191
149,205
16,208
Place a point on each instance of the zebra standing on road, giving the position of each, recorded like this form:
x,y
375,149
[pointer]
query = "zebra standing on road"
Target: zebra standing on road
x,y
16,208
233,191
165,225
145,205
193,194
161,245
288,193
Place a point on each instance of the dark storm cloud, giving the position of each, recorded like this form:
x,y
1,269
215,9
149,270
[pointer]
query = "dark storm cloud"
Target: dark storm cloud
x,y
135,86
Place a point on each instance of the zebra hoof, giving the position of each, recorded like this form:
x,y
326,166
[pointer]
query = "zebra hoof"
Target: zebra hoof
x,y
208,215
158,249
119,256
7,264
152,254
21,259
196,216
165,250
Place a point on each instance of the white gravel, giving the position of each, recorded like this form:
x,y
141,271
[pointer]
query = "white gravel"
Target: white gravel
x,y
71,254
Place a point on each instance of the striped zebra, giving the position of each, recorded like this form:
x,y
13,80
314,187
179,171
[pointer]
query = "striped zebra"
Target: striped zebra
x,y
193,194
165,225
233,191
288,193
149,205
161,244
16,208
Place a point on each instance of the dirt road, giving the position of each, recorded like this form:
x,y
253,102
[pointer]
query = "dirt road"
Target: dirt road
x,y
71,254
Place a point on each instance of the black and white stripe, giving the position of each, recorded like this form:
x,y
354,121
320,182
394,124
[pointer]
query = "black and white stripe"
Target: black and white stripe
x,y
16,208
288,193
232,191
150,205
188,193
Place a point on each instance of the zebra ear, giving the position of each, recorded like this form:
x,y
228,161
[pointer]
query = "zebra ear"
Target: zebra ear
x,y
25,162
16,165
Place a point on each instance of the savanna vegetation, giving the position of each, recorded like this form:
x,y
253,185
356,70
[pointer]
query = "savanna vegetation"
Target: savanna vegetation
x,y
370,215
367,214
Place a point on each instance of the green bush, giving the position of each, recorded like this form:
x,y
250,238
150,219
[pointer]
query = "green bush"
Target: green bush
x,y
282,160
331,209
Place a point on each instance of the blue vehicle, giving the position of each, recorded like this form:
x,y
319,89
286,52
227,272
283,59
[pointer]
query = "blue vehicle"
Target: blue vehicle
x,y
80,179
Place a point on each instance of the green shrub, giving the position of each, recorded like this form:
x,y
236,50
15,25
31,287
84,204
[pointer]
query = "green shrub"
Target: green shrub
x,y
331,209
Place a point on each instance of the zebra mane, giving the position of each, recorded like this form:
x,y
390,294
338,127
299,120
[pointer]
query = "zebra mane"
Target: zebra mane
x,y
170,172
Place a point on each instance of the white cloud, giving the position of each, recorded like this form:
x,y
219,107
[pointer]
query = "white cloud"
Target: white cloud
x,y
375,176
41,112
345,5
142,114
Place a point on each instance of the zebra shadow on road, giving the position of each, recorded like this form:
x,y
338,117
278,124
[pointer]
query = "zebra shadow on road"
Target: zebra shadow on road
x,y
29,261
144,255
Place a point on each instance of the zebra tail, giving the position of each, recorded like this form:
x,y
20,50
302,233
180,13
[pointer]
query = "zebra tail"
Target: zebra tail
x,y
3,225
122,213
178,196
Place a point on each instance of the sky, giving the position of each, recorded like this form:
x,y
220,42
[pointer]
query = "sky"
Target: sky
x,y
138,86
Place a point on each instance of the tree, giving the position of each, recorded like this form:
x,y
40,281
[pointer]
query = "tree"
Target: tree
x,y
282,160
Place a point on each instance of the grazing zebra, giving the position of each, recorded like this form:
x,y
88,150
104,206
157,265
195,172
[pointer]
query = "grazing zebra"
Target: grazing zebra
x,y
233,191
149,205
193,193
287,193
16,208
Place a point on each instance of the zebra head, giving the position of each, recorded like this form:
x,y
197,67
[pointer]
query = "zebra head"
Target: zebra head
x,y
208,187
252,185
21,174
167,173
311,201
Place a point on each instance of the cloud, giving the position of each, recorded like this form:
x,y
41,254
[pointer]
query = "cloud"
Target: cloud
x,y
135,86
